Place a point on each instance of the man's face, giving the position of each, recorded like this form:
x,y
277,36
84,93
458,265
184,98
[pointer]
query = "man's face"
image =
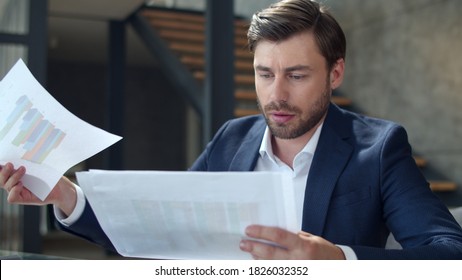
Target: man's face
x,y
293,84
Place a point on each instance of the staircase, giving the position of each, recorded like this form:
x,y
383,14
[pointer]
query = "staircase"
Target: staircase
x,y
184,34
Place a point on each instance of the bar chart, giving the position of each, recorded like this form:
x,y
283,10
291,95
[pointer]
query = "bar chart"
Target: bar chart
x,y
35,134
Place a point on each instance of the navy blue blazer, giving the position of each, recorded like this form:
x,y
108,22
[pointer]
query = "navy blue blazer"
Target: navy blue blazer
x,y
362,185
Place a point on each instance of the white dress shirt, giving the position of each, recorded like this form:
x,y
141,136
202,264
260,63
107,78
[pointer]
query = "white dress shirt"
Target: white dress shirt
x,y
301,167
78,210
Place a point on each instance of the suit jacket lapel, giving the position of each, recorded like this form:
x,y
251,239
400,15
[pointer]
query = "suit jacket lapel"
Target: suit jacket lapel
x,y
246,156
330,158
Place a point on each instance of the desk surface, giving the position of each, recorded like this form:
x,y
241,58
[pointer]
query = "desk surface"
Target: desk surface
x,y
13,255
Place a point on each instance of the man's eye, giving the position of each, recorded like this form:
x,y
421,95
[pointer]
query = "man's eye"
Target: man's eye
x,y
297,77
265,76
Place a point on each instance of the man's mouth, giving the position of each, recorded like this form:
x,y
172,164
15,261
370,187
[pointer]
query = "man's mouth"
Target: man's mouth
x,y
281,117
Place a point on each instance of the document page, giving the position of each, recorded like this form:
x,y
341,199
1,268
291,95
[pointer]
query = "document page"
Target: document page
x,y
187,215
40,134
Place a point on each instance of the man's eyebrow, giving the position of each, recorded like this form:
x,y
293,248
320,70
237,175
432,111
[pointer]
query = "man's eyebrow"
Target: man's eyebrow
x,y
298,68
262,68
288,69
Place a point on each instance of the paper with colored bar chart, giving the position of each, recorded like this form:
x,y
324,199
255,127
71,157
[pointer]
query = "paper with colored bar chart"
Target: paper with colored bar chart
x,y
40,134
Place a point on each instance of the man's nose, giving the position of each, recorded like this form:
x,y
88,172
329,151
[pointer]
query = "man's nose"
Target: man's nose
x,y
279,90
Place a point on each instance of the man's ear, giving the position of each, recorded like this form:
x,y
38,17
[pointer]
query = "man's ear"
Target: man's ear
x,y
336,74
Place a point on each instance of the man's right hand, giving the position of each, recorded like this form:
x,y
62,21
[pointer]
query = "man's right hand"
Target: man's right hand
x,y
62,196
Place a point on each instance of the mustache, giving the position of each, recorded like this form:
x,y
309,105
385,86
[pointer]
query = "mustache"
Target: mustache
x,y
281,106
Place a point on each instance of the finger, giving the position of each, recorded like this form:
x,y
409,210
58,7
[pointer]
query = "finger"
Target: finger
x,y
14,178
14,195
276,235
5,173
21,195
260,250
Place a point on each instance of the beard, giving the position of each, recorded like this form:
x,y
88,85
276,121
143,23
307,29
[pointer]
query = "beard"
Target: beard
x,y
302,122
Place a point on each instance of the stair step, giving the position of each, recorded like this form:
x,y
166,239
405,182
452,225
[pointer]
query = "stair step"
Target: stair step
x,y
239,79
198,62
341,101
245,94
190,48
173,15
421,162
188,21
442,186
242,112
244,79
199,49
198,18
176,25
194,37
182,35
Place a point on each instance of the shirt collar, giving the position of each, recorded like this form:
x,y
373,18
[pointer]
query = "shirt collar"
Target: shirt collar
x,y
267,150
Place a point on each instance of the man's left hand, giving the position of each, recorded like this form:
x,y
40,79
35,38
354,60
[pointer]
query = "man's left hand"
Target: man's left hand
x,y
288,245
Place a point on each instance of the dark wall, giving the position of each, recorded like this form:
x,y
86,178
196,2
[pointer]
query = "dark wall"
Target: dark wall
x,y
154,129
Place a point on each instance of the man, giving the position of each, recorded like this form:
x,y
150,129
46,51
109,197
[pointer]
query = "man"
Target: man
x,y
355,179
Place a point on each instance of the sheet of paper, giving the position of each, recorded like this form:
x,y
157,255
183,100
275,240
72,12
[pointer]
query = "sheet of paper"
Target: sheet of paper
x,y
40,134
186,215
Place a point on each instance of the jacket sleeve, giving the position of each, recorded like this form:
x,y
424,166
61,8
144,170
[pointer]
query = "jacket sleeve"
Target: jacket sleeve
x,y
420,222
87,227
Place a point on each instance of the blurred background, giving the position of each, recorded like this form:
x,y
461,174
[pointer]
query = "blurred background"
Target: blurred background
x,y
165,74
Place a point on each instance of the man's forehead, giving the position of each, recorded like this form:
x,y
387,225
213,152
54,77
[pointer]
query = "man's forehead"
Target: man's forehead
x,y
297,54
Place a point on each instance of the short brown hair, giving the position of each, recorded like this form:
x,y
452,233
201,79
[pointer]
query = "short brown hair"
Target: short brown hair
x,y
288,17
